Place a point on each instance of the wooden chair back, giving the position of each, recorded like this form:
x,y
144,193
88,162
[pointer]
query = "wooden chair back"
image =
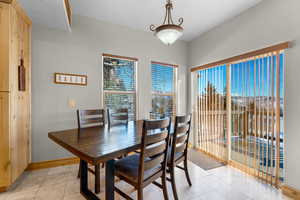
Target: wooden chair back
x,y
181,136
154,146
120,115
90,118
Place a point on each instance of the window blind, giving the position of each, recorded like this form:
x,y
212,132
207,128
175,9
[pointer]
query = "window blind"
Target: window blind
x,y
257,115
163,90
119,84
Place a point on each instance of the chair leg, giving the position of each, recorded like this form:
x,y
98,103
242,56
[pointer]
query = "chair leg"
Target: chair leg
x,y
173,183
164,185
140,194
97,178
187,173
79,170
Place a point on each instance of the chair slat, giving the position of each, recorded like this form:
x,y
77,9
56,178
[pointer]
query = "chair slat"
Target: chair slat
x,y
154,162
91,112
158,149
183,119
117,115
91,121
181,138
180,148
156,124
90,118
182,129
122,110
120,117
157,137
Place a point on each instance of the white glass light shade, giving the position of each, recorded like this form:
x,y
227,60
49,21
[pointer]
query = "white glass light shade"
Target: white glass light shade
x,y
168,34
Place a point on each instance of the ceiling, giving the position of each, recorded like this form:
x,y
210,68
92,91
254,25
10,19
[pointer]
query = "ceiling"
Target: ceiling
x,y
51,13
199,15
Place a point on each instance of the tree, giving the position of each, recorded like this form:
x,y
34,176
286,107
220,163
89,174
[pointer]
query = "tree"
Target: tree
x,y
213,99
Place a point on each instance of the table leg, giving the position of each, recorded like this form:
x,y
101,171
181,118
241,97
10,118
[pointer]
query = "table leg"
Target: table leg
x,y
84,190
110,180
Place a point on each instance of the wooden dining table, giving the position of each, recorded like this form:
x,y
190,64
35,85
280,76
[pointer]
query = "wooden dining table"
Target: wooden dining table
x,y
97,145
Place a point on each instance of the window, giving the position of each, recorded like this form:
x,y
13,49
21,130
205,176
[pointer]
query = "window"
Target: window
x,y
119,83
163,90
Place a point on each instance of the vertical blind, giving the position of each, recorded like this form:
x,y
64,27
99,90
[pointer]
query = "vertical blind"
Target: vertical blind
x,y
119,84
257,115
239,112
211,116
163,90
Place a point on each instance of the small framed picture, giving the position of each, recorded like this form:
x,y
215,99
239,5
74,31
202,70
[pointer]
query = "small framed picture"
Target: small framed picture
x,y
70,79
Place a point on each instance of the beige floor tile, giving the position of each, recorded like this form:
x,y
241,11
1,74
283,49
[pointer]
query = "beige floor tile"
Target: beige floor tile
x,y
3,195
210,196
76,196
224,183
72,188
56,192
29,195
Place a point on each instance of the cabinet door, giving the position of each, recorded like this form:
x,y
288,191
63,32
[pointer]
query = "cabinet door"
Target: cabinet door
x,y
4,47
4,140
21,105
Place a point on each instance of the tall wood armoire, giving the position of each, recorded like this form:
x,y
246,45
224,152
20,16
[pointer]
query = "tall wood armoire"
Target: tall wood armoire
x,y
15,92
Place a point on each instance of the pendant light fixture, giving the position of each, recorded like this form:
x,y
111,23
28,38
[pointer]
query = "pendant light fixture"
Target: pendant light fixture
x,y
168,32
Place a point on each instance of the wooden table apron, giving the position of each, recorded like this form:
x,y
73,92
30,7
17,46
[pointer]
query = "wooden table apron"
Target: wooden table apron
x,y
99,144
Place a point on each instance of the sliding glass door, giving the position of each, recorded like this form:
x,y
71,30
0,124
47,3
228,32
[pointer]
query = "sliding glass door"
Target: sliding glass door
x,y
239,114
211,115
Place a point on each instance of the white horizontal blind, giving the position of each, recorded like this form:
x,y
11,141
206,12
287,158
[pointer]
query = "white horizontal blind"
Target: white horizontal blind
x,y
119,84
163,90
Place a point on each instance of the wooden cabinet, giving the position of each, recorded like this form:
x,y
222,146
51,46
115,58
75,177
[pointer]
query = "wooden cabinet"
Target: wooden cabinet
x,y
15,104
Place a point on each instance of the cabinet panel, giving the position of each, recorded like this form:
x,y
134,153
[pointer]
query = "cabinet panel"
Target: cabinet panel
x,y
14,49
4,141
15,105
19,137
4,47
21,107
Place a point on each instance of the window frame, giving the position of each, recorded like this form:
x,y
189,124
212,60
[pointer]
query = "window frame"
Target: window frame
x,y
175,82
134,92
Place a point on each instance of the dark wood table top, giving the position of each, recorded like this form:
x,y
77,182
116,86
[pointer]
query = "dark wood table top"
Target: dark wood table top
x,y
99,144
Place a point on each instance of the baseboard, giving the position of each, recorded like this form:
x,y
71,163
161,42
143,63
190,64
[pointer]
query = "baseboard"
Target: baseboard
x,y
290,192
3,189
52,163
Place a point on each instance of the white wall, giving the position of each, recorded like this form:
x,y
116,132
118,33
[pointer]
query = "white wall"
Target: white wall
x,y
269,23
80,52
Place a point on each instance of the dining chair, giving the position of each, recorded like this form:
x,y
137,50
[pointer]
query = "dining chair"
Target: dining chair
x,y
119,116
178,152
144,168
91,118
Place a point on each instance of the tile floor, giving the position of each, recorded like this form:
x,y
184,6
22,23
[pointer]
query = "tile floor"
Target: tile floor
x,y
224,183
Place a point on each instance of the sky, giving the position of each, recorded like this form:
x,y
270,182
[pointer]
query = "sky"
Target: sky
x,y
250,78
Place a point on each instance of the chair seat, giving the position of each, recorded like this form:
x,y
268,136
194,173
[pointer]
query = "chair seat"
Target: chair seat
x,y
129,168
177,155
